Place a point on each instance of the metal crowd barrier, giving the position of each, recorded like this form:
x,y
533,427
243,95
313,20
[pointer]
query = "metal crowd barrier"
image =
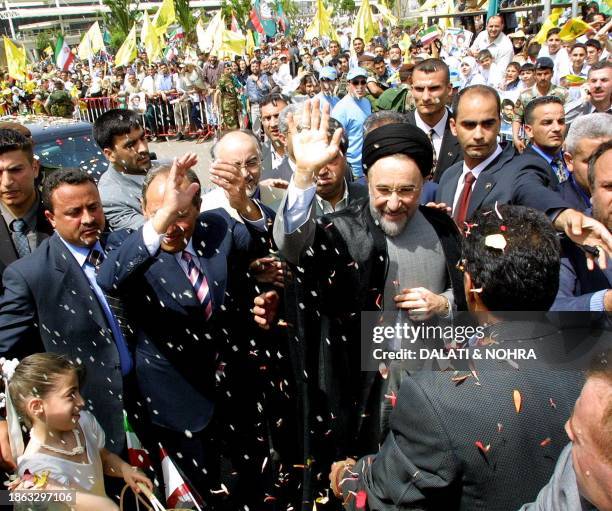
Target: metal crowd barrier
x,y
161,117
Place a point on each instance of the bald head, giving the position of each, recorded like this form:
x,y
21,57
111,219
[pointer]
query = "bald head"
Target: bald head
x,y
241,148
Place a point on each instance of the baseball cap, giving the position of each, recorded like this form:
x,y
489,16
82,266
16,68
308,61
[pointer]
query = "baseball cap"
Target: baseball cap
x,y
545,63
355,72
328,73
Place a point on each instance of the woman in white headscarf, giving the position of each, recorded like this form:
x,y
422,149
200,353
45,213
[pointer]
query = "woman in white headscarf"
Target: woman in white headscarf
x,y
469,73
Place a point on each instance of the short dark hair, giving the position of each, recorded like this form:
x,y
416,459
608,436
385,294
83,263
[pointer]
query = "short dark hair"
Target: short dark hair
x,y
67,176
599,152
382,118
432,66
553,31
524,275
274,98
594,43
358,39
577,45
484,54
378,59
507,102
113,123
528,66
12,140
479,89
535,103
191,176
598,66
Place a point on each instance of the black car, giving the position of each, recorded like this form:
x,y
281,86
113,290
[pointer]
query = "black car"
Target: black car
x,y
61,143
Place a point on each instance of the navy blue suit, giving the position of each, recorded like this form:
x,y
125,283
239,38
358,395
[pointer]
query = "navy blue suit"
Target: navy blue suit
x,y
577,283
526,180
176,347
49,305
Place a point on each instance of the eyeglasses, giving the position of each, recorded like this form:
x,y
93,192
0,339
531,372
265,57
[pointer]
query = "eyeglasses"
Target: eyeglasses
x,y
250,165
404,192
358,82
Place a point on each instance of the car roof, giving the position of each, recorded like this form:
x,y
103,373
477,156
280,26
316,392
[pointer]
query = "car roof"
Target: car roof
x,y
45,127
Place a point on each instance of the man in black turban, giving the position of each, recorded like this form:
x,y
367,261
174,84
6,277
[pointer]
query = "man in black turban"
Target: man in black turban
x,y
382,251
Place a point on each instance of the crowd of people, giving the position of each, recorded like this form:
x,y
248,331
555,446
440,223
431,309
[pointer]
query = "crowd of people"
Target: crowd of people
x,y
227,325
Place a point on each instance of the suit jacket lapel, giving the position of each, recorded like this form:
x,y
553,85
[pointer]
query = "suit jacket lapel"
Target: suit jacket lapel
x,y
75,280
8,254
449,149
448,196
486,182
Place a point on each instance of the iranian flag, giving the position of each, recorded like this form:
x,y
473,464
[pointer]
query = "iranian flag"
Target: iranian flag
x,y
136,453
176,34
177,491
429,34
63,55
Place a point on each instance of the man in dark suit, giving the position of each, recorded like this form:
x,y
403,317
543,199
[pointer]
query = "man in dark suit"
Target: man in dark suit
x,y
23,225
52,302
174,276
466,446
275,168
431,89
489,176
581,288
545,128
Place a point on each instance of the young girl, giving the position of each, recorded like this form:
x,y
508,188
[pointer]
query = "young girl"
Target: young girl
x,y
66,442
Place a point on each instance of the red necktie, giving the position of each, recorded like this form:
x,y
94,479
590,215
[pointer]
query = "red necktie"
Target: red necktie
x,y
464,200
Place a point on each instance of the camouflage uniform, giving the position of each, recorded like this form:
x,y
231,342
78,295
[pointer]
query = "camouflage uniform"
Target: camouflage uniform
x,y
528,94
342,87
230,104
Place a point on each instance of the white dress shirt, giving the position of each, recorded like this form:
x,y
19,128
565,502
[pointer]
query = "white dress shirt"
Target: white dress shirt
x,y
476,171
438,129
501,48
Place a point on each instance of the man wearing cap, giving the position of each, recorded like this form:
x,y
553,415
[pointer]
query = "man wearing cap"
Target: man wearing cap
x,y
351,111
382,251
543,87
494,40
327,80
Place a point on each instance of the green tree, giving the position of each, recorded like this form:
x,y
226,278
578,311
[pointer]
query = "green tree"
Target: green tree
x,y
45,39
347,5
240,9
120,19
186,20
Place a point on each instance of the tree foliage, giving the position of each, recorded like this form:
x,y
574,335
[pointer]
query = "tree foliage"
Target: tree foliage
x,y
120,19
46,38
186,19
239,8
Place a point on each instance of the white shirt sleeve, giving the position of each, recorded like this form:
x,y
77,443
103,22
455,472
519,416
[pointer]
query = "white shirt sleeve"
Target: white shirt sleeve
x,y
297,206
151,239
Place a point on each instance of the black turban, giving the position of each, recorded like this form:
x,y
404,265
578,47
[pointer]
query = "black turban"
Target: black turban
x,y
397,138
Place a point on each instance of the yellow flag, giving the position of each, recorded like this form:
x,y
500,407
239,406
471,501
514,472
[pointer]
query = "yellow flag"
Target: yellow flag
x,y
551,22
15,59
250,43
164,17
150,39
387,15
48,51
232,43
429,5
573,29
321,24
127,53
364,25
92,43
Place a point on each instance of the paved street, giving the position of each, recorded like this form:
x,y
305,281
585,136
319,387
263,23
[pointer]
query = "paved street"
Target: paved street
x,y
172,148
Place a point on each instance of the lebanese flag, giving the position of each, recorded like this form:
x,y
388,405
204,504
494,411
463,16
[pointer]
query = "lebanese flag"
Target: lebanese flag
x,y
177,491
63,55
136,453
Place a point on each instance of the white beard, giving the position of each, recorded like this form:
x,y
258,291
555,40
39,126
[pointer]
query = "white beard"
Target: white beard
x,y
391,229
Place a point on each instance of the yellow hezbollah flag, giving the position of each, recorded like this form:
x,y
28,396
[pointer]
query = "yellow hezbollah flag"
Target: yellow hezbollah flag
x,y
127,52
573,29
15,59
386,14
250,43
321,24
150,39
92,43
551,22
364,25
164,17
232,43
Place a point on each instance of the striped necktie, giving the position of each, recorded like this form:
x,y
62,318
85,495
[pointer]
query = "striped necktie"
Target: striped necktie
x,y
199,283
434,164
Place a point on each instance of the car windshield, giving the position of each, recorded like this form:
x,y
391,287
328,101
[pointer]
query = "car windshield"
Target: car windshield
x,y
78,151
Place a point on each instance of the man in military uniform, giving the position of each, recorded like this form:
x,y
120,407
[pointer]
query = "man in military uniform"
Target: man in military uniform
x,y
342,68
543,87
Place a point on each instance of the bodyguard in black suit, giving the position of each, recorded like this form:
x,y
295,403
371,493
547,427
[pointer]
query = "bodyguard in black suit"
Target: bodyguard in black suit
x,y
431,89
23,225
460,441
173,275
51,304
489,176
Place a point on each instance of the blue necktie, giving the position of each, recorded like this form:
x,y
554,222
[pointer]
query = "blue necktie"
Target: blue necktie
x,y
20,237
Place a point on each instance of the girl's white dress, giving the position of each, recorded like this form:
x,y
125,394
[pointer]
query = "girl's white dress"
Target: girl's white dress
x,y
86,476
